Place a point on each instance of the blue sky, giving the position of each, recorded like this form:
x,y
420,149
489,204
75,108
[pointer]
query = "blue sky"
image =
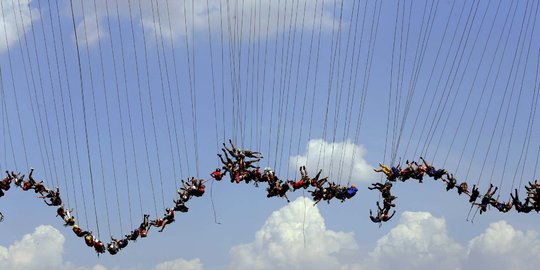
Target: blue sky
x,y
336,85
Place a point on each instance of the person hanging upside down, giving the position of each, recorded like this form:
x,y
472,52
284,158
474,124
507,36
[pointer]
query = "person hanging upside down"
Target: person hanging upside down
x,y
90,239
99,247
384,169
40,188
463,188
53,196
113,247
383,188
80,232
144,227
167,219
180,206
61,212
5,184
388,203
30,183
382,215
351,191
450,181
317,195
217,174
330,192
501,206
432,172
486,199
407,173
419,172
122,243
69,220
521,207
133,235
475,193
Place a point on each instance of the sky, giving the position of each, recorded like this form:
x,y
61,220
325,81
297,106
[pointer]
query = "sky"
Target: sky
x,y
116,101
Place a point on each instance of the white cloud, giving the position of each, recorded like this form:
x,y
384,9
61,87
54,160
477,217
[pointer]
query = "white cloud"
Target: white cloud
x,y
180,264
44,248
501,246
41,249
181,18
332,158
279,244
420,241
12,21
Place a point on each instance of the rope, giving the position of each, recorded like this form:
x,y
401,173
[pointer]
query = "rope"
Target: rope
x,y
14,91
90,70
55,176
141,108
130,120
84,115
75,135
120,114
176,76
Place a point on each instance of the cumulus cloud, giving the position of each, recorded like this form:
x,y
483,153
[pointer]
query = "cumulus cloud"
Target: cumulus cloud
x,y
41,249
199,16
333,158
279,244
14,18
180,264
501,246
418,241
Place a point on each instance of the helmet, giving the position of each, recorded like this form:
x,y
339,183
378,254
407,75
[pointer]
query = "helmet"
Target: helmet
x,y
353,186
75,227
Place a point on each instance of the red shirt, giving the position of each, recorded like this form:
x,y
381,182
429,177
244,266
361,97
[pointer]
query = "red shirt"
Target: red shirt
x,y
217,175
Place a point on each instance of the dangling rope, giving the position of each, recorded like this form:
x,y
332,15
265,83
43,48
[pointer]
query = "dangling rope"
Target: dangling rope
x,y
191,75
141,107
5,114
130,120
169,88
52,158
471,90
70,158
154,129
100,153
64,58
59,135
107,112
84,114
120,114
14,90
176,76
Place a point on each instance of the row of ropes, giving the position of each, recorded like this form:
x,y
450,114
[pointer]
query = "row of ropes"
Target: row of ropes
x,y
106,98
471,110
118,103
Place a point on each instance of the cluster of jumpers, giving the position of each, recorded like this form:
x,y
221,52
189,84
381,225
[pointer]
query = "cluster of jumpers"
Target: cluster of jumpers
x,y
51,197
241,166
416,171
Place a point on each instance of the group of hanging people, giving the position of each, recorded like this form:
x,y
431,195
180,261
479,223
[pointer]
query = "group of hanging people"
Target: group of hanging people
x,y
241,165
417,171
51,197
